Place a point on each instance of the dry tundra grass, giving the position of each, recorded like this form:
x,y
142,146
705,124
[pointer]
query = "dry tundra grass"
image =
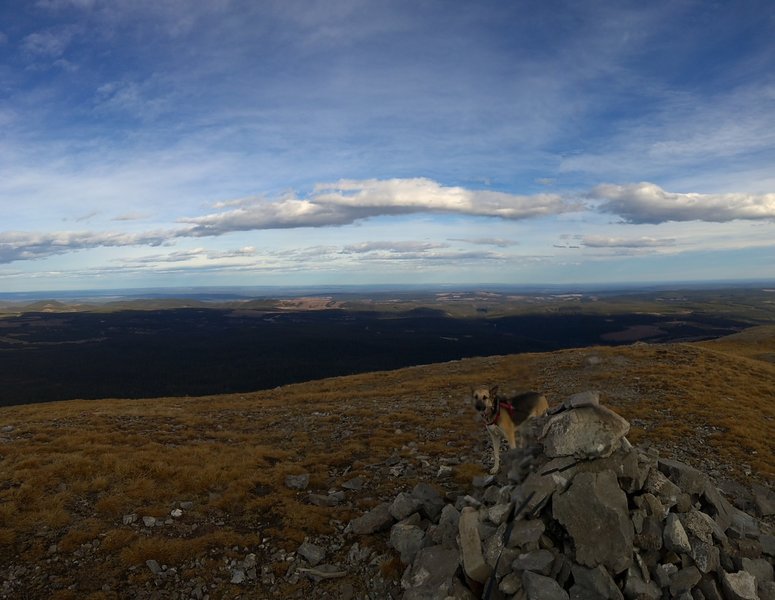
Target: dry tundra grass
x,y
70,471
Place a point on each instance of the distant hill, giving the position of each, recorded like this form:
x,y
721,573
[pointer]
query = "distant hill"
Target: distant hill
x,y
142,349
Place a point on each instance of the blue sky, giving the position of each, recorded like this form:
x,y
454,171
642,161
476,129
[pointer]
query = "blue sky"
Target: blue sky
x,y
165,143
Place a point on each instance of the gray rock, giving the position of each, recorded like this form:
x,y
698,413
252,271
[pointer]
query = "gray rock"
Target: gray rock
x,y
761,568
664,489
763,499
542,487
404,505
588,398
697,525
739,586
377,519
689,479
598,581
444,472
407,540
718,506
650,536
297,482
328,500
537,561
587,432
354,484
510,584
498,513
663,573
705,556
742,525
684,580
238,576
674,535
594,511
431,574
539,587
153,566
445,533
637,588
430,500
149,521
471,546
482,481
312,553
129,519
768,544
709,588
526,534
766,590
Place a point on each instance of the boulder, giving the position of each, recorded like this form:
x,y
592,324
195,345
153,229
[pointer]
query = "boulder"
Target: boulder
x,y
537,561
763,499
445,533
471,546
636,587
689,479
739,586
404,505
526,534
431,574
594,511
597,581
431,502
407,540
377,519
587,432
675,537
312,553
539,587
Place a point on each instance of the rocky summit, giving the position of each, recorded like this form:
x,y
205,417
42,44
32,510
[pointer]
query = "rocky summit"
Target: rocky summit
x,y
579,514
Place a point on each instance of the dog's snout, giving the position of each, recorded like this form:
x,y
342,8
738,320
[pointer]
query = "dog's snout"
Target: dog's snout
x,y
479,404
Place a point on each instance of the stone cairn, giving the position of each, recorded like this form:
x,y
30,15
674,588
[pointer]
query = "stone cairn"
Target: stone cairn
x,y
599,519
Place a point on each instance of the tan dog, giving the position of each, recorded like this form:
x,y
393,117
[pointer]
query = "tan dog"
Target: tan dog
x,y
504,415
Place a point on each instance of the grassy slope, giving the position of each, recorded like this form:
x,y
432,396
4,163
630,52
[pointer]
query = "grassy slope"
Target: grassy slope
x,y
70,470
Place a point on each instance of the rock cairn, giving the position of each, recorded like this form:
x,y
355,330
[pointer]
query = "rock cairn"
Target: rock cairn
x,y
600,519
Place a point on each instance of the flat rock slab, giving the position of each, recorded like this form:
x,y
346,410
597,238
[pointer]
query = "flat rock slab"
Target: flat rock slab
x,y
377,519
585,432
471,546
595,513
432,573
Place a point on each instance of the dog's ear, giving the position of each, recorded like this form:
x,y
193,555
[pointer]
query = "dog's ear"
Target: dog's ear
x,y
493,391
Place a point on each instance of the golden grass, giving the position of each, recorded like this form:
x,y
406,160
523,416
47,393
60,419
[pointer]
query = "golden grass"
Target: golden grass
x,y
71,470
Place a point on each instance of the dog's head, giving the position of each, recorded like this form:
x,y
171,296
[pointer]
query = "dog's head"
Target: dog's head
x,y
485,400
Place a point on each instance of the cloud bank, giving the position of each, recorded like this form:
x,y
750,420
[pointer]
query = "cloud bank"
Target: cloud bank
x,y
648,203
349,201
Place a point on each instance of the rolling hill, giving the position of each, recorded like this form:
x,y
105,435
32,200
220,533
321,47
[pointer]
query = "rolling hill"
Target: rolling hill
x,y
170,497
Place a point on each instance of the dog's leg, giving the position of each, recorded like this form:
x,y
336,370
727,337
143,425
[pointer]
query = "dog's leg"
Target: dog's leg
x,y
495,438
511,435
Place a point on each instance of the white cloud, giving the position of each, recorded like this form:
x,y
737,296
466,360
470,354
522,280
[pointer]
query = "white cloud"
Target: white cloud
x,y
347,201
403,246
17,245
485,241
48,43
648,203
600,241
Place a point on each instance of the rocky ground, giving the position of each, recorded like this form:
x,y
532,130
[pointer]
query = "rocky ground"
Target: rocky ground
x,y
284,522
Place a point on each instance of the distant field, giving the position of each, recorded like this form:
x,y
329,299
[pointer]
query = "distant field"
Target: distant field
x,y
142,349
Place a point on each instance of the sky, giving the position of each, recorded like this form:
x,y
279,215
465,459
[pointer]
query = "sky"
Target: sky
x,y
163,143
